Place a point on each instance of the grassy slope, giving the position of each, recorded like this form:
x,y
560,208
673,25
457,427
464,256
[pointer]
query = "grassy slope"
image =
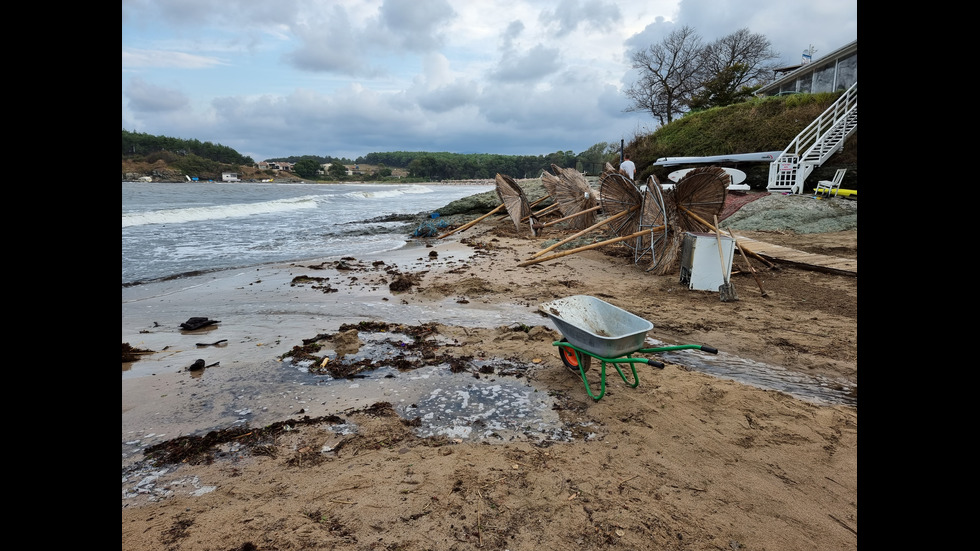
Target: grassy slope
x,y
768,124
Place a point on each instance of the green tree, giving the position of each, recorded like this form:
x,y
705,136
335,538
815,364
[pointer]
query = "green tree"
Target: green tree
x,y
382,171
723,89
306,168
337,171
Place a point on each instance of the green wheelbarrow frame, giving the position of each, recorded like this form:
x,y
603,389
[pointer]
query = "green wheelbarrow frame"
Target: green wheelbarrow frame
x,y
628,358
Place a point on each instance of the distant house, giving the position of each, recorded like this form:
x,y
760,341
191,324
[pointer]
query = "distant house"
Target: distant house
x,y
266,165
229,177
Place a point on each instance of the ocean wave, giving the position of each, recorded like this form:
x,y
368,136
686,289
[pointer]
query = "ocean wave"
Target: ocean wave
x,y
194,214
388,193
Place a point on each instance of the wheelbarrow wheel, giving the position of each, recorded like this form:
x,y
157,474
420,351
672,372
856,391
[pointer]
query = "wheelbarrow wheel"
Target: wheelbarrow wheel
x,y
568,357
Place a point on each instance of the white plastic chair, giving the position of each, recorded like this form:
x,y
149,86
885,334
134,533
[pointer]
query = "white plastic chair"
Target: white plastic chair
x,y
830,186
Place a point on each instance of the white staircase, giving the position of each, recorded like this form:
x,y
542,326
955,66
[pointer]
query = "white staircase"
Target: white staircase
x,y
814,145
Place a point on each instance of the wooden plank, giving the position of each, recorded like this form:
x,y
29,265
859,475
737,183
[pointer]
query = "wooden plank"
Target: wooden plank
x,y
805,260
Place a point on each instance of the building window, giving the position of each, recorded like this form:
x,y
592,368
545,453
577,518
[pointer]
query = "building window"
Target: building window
x,y
847,71
823,79
805,83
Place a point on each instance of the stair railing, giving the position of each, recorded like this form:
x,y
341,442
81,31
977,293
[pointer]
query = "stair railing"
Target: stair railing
x,y
815,144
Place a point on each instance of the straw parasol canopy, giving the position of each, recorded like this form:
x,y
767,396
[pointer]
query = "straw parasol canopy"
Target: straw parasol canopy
x,y
574,196
514,200
703,192
663,246
619,194
550,182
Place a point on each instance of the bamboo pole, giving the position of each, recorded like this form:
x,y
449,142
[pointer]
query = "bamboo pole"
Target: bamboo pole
x,y
739,245
471,222
585,231
751,269
592,246
547,210
570,216
538,201
534,204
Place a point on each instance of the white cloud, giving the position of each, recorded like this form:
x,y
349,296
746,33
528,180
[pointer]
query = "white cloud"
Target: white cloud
x,y
350,77
149,59
148,98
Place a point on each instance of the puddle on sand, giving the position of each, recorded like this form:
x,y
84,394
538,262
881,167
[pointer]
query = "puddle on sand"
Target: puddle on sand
x,y
491,407
818,390
491,400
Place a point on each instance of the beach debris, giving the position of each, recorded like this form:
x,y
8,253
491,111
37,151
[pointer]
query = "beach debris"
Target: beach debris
x,y
514,200
430,228
472,223
575,197
649,220
199,365
197,323
726,290
746,258
215,343
132,354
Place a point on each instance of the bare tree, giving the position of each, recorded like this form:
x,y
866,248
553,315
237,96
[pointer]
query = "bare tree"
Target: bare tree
x,y
669,74
682,70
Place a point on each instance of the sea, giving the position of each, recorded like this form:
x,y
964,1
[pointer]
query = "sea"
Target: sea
x,y
175,229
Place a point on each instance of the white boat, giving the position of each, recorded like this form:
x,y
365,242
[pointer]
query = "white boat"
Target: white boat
x,y
763,157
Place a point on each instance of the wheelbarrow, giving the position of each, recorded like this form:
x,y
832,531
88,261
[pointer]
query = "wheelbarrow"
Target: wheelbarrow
x,y
593,328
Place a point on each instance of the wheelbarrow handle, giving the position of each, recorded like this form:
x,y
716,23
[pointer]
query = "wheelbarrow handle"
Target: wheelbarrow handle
x,y
658,349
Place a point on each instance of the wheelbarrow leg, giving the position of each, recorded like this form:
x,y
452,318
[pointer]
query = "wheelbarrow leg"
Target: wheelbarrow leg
x,y
602,380
632,361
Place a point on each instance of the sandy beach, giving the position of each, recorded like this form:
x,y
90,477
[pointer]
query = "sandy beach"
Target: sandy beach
x,y
685,460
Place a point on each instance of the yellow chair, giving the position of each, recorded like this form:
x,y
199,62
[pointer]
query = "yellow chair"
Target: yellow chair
x,y
830,186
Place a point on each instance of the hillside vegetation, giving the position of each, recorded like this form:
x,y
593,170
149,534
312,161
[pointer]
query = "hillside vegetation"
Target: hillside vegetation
x,y
764,124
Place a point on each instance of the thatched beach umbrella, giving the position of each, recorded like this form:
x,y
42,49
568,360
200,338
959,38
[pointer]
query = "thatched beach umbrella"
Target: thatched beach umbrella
x,y
550,182
575,197
514,200
697,197
660,244
702,192
618,195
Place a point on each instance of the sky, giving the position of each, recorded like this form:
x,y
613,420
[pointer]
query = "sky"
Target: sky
x,y
344,78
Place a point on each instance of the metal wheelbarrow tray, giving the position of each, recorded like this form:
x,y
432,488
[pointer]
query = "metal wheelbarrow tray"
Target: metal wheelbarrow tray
x,y
593,328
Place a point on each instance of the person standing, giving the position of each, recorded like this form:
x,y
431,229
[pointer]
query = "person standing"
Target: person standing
x,y
627,167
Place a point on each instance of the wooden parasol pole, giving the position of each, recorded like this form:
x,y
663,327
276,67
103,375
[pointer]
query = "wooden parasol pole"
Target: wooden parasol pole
x,y
592,246
547,210
751,269
570,216
739,245
539,200
585,231
471,222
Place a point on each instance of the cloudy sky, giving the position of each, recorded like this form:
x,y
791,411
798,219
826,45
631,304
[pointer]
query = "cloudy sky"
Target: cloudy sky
x,y
345,78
